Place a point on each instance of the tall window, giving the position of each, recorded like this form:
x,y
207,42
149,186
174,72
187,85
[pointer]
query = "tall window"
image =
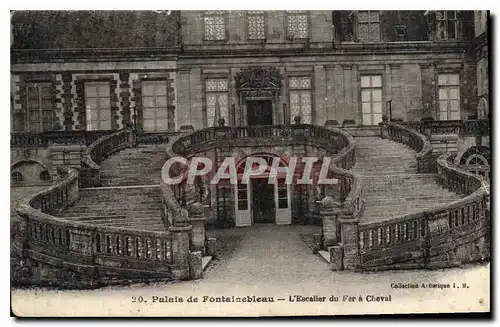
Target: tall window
x,y
40,107
368,26
215,25
156,116
256,25
216,100
297,25
242,197
449,97
98,106
447,24
282,194
300,98
371,99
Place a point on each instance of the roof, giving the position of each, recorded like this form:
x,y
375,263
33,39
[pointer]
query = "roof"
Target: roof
x,y
94,29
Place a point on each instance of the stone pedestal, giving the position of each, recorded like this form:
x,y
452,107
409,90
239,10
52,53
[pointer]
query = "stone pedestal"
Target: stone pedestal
x,y
195,265
210,246
384,128
329,212
336,257
349,235
197,221
68,155
180,251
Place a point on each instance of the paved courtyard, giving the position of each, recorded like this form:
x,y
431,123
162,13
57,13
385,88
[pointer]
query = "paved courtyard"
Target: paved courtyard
x,y
272,262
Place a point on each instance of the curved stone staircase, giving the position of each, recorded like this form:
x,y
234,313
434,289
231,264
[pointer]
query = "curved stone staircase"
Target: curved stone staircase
x,y
129,195
391,184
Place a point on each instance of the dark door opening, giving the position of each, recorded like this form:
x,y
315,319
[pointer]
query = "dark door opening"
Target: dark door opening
x,y
262,201
259,112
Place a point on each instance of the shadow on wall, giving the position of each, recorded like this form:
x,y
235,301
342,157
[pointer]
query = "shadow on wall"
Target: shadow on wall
x,y
29,172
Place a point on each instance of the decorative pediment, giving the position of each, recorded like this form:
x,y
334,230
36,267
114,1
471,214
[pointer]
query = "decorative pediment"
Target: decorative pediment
x,y
258,78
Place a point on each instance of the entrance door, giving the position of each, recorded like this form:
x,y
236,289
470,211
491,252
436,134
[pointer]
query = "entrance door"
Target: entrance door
x,y
259,112
263,209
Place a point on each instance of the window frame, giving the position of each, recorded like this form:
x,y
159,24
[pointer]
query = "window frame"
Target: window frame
x,y
371,88
299,90
447,87
155,96
369,23
206,92
296,13
446,21
214,14
86,83
38,85
251,13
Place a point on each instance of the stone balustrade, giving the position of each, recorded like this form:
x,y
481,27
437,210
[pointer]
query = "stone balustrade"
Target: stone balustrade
x,y
463,127
449,235
88,249
102,148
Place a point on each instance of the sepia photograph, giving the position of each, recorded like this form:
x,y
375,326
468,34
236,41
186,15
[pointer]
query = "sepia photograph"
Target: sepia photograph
x,y
249,163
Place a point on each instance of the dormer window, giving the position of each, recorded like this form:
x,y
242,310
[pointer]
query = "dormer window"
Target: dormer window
x,y
368,26
447,25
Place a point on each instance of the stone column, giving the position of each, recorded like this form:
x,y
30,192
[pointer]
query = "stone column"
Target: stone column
x,y
180,246
329,219
197,220
349,237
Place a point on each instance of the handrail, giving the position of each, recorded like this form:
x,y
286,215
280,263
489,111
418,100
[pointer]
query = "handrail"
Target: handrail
x,y
84,245
337,143
429,230
103,147
417,141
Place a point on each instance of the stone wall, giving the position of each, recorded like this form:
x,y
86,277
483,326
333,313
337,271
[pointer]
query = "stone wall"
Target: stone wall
x,y
68,81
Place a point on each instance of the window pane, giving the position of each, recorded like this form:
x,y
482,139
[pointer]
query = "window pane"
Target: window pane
x,y
443,105
47,103
377,95
455,115
161,101
91,102
451,30
104,90
365,95
377,107
46,92
147,88
363,16
105,114
374,16
454,93
453,79
161,113
90,90
374,32
377,118
443,115
105,125
377,81
104,103
148,114
365,81
148,102
366,107
443,93
363,32
367,119
161,88
442,79
454,105
293,82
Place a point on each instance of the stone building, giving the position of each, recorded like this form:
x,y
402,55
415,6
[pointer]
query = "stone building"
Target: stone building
x,y
78,78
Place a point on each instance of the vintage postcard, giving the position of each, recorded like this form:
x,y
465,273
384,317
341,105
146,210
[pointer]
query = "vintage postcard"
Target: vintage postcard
x,y
181,163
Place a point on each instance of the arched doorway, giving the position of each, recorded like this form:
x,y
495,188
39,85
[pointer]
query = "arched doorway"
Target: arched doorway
x,y
260,200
